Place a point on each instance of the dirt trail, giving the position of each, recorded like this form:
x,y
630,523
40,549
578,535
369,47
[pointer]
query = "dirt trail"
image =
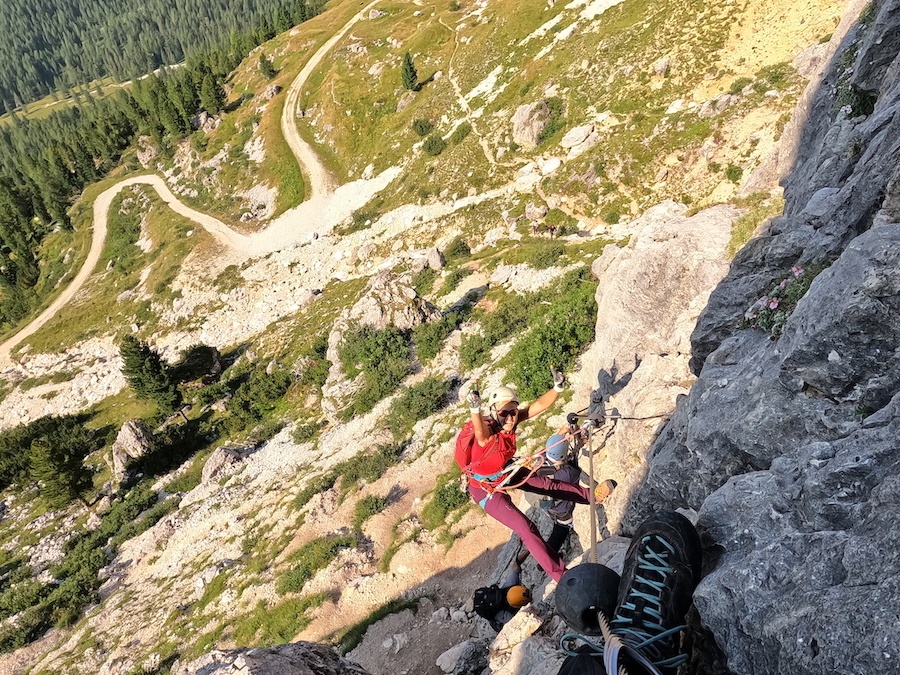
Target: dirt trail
x,y
325,205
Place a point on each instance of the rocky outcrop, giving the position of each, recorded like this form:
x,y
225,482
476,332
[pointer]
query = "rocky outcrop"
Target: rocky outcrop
x,y
529,122
787,443
224,461
649,295
388,300
133,442
296,658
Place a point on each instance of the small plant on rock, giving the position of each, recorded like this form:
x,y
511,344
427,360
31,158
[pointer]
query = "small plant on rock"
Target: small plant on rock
x,y
770,312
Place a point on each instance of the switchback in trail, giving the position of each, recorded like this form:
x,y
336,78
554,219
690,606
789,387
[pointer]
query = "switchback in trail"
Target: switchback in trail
x,y
325,206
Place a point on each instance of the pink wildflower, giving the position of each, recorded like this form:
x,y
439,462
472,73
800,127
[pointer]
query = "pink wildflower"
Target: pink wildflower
x,y
773,303
797,271
783,284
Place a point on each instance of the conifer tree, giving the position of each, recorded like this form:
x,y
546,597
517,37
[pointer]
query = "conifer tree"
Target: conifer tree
x,y
145,372
59,471
212,97
265,67
408,73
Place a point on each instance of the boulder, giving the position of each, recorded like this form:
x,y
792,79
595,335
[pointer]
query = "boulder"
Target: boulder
x,y
576,136
225,461
272,91
133,441
529,122
296,658
146,151
435,259
535,211
467,658
407,98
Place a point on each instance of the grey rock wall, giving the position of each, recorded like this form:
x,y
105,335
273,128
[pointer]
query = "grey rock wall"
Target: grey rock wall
x,y
789,446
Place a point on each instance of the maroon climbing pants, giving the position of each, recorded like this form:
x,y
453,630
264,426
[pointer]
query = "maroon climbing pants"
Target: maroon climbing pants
x,y
499,506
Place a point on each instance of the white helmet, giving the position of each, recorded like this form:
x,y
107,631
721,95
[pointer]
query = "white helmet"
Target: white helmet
x,y
557,448
502,395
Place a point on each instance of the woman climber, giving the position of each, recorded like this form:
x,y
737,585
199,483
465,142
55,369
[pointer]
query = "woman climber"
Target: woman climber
x,y
484,448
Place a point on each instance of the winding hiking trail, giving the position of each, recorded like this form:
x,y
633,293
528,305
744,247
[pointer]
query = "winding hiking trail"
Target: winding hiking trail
x,y
325,205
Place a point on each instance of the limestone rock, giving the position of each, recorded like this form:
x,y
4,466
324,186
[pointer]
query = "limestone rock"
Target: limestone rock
x,y
466,658
133,441
528,122
296,658
224,461
407,98
272,91
535,211
879,49
576,136
146,151
435,259
717,105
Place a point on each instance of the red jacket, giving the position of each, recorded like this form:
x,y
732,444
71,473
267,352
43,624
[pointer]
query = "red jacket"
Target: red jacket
x,y
488,460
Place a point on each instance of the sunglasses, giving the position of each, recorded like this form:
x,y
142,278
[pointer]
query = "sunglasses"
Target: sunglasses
x,y
503,414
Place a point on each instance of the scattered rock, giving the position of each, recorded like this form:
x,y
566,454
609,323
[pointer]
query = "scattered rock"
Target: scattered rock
x,y
717,105
375,14
296,658
467,658
272,91
661,66
224,461
146,151
435,259
535,212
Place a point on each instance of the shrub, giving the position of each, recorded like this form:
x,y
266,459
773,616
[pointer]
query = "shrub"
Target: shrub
x,y
423,281
457,249
315,365
429,337
454,276
545,255
211,393
738,85
306,432
311,558
557,338
611,216
473,350
367,467
453,7
446,498
459,134
734,173
382,357
434,145
367,507
278,624
255,397
555,122
418,402
422,127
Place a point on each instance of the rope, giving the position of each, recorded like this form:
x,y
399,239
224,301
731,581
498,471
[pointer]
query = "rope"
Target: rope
x,y
617,416
592,499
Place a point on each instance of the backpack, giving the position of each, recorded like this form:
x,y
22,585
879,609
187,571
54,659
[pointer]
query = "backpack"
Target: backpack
x,y
488,601
465,441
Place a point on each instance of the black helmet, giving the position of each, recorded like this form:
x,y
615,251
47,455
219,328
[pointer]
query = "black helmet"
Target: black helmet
x,y
582,592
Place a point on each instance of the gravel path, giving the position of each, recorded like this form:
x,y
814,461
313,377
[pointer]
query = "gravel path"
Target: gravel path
x,y
325,207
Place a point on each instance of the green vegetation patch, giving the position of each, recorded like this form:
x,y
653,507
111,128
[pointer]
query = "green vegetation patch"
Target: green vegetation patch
x,y
267,626
418,402
311,558
367,507
382,357
446,498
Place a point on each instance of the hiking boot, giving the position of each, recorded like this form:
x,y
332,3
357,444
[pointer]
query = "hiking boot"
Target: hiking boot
x,y
662,569
604,490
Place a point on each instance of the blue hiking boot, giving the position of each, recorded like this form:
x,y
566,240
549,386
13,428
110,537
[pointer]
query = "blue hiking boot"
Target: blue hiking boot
x,y
662,569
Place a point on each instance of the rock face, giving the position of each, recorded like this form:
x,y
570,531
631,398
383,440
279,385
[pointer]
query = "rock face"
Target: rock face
x,y
528,122
133,442
650,294
787,444
296,658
